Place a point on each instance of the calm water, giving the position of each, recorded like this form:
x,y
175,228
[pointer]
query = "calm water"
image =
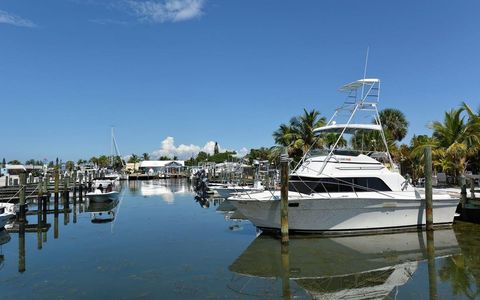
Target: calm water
x,y
163,243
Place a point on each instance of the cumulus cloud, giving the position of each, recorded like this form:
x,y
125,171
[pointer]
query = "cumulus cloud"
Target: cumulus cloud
x,y
166,11
168,148
242,152
11,19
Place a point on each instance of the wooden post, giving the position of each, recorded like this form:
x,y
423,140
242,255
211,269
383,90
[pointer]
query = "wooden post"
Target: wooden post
x,y
428,187
284,198
23,182
463,193
56,174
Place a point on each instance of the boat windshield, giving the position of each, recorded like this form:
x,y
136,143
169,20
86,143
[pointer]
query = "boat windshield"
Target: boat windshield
x,y
325,152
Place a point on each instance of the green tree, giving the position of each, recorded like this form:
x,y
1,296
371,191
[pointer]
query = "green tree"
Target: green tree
x,y
93,160
394,123
202,156
69,165
134,159
215,149
14,162
457,137
145,156
298,136
103,161
164,157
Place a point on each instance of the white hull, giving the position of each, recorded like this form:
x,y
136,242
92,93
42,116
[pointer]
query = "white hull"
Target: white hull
x,y
344,214
225,192
103,197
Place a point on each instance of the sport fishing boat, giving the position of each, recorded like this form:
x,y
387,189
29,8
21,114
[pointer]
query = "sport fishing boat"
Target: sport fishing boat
x,y
343,190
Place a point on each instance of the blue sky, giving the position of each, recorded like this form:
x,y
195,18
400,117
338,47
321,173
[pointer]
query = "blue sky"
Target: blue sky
x,y
226,71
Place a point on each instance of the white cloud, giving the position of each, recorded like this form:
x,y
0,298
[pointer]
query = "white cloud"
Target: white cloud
x,y
11,19
242,152
166,11
168,148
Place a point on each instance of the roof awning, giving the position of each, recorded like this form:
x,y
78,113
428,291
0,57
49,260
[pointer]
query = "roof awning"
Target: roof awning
x,y
356,84
349,128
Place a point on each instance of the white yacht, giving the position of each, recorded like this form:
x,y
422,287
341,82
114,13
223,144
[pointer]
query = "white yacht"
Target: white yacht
x,y
7,213
344,190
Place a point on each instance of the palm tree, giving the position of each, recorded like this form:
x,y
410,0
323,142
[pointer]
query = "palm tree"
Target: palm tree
x,y
394,123
298,135
134,159
303,127
459,138
145,156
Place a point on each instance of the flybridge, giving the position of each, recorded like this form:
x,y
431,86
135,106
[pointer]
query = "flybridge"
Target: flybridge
x,y
356,113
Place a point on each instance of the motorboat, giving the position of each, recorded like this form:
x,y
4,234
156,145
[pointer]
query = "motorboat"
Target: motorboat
x,y
353,267
227,190
100,196
7,214
343,190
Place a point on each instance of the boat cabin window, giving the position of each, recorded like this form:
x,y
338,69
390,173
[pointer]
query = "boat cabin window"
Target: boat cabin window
x,y
308,185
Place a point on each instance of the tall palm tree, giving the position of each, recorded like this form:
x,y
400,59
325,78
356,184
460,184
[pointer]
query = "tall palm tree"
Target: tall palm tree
x,y
145,156
457,137
303,127
298,136
394,123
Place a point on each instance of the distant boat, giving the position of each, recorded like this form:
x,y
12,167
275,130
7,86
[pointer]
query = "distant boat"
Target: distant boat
x,y
7,214
227,190
346,191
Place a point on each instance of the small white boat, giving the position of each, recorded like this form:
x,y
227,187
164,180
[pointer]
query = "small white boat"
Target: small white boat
x,y
226,191
98,196
7,213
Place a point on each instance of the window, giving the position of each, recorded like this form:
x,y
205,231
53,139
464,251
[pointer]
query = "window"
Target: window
x,y
308,185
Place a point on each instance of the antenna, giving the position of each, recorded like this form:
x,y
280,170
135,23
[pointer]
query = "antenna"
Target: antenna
x,y
365,70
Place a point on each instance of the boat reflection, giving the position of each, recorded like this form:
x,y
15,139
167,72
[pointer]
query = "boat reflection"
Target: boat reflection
x,y
360,267
102,212
166,189
4,238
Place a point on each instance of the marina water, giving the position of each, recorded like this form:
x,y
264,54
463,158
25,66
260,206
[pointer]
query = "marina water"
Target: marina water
x,y
159,241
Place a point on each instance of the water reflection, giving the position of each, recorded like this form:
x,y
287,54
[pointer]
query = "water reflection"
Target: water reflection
x,y
344,267
463,271
102,212
166,189
4,238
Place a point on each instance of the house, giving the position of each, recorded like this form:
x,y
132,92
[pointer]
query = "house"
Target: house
x,y
162,166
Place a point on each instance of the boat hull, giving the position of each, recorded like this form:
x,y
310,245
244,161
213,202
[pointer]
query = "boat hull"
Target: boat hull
x,y
346,215
103,197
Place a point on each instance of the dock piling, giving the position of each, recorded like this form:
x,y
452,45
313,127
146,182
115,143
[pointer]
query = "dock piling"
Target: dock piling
x,y
428,188
284,198
23,181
